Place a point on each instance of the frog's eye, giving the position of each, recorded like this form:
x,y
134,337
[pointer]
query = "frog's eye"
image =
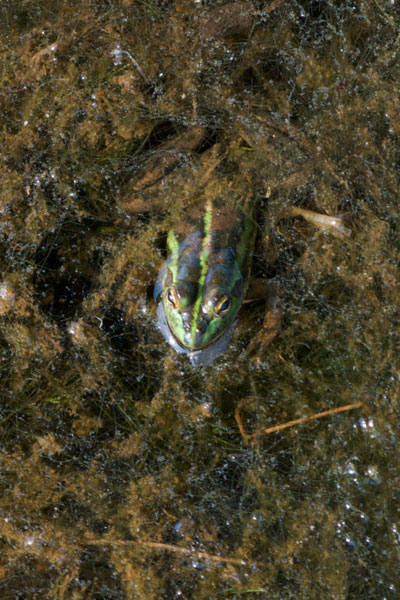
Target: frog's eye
x,y
173,297
222,306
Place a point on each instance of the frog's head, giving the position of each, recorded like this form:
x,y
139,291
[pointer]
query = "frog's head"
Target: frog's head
x,y
200,298
198,315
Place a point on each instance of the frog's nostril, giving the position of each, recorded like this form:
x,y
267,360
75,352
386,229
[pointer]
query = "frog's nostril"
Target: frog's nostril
x,y
201,327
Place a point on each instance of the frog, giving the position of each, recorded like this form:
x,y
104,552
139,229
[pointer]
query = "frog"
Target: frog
x,y
202,284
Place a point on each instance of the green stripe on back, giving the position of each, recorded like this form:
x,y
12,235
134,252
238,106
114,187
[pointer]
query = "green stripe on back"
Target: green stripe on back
x,y
173,245
205,252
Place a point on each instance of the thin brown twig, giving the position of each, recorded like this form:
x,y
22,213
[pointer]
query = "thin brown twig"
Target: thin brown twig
x,y
300,421
51,339
170,548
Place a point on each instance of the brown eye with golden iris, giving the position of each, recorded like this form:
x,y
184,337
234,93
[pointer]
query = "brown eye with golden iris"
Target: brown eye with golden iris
x,y
173,297
222,306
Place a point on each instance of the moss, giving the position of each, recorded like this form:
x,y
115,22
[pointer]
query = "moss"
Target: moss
x,y
117,457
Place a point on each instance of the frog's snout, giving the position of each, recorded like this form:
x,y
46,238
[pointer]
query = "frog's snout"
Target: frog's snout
x,y
194,339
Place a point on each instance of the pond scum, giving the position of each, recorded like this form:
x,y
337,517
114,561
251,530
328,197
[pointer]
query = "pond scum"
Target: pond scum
x,y
124,474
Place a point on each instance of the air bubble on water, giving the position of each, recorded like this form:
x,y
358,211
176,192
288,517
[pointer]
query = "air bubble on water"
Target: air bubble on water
x,y
339,526
396,533
29,540
77,333
198,565
368,425
347,540
257,517
373,474
116,53
368,542
350,469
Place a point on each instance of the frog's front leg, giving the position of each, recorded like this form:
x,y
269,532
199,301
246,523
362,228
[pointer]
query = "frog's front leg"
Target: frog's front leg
x,y
260,288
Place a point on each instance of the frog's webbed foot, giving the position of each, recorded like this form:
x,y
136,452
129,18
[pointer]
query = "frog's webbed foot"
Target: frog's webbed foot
x,y
337,225
271,325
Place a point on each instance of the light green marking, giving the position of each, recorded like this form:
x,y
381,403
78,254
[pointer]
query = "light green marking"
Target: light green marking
x,y
205,252
173,245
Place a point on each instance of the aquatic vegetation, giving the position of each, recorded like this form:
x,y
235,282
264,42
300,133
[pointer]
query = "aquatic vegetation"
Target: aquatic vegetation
x,y
123,470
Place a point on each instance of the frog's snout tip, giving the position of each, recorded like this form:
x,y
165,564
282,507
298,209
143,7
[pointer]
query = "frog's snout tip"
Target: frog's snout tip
x,y
194,339
193,343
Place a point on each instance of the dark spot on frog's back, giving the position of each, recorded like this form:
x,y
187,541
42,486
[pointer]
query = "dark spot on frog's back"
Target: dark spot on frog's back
x,y
187,289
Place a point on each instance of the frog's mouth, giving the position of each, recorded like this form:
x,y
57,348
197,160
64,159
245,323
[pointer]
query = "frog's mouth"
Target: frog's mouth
x,y
203,356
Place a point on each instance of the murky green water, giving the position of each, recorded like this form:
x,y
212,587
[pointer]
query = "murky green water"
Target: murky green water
x,y
123,471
